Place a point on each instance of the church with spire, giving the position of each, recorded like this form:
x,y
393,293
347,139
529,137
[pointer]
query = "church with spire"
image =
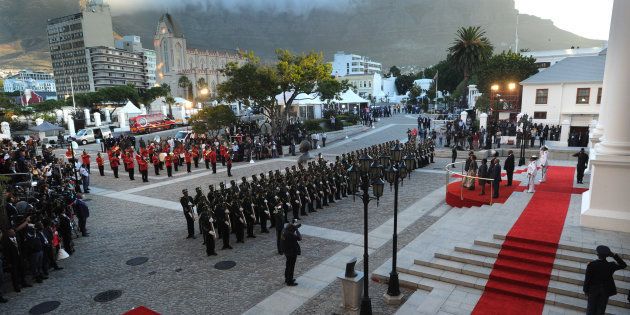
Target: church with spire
x,y
176,60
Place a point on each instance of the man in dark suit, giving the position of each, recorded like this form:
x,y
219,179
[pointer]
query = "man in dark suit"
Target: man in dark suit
x,y
13,257
598,282
187,203
509,167
496,176
581,165
291,236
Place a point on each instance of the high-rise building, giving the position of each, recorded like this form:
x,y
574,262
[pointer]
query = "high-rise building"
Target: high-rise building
x,y
68,37
32,80
133,43
109,66
350,64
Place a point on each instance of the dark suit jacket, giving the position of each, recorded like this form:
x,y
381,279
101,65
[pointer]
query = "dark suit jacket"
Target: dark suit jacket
x,y
291,245
599,275
509,163
496,173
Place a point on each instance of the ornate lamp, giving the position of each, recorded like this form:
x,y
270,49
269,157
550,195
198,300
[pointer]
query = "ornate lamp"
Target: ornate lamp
x,y
377,187
396,153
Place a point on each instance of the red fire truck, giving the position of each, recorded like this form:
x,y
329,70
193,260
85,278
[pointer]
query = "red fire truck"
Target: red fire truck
x,y
150,123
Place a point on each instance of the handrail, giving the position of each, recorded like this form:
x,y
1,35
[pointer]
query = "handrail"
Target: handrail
x,y
449,173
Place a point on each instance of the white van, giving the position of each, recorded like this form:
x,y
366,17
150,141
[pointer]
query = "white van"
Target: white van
x,y
89,135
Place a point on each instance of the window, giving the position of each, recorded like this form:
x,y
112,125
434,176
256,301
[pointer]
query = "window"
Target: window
x,y
541,96
540,115
583,95
599,95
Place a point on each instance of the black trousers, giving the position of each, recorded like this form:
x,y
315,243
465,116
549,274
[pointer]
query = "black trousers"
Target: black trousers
x,y
209,240
156,167
510,175
188,166
17,275
596,303
131,170
580,174
196,161
289,268
101,170
495,188
225,236
82,223
169,171
190,224
323,142
278,238
214,168
229,170
176,165
207,164
145,175
115,170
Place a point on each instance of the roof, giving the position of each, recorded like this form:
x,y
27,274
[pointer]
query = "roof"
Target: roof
x,y
172,26
44,127
129,108
571,70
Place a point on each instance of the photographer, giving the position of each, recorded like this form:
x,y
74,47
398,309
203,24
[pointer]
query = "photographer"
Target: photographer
x,y
291,236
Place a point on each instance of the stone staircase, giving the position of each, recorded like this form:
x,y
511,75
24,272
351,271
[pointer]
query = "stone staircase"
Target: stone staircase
x,y
470,267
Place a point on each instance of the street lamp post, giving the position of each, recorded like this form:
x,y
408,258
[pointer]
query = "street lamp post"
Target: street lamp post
x,y
365,174
526,123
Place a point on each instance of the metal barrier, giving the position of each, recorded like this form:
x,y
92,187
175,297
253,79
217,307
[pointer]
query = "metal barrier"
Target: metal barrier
x,y
462,175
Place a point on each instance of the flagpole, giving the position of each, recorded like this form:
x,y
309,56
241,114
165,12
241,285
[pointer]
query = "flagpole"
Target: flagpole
x,y
74,105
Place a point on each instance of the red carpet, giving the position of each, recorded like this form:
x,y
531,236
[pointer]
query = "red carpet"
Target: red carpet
x,y
141,310
472,197
520,276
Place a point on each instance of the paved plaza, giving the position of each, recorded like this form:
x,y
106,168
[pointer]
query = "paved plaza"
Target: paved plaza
x,y
131,219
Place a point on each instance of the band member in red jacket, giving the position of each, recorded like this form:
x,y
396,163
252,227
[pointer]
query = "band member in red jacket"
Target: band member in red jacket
x,y
222,152
156,164
188,159
213,160
143,167
130,166
228,162
195,155
113,163
206,156
168,161
85,160
100,164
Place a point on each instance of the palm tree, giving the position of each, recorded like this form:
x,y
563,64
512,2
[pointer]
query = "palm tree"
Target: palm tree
x,y
184,83
470,49
170,101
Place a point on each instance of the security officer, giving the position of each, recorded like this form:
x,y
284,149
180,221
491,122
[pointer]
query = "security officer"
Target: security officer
x,y
187,204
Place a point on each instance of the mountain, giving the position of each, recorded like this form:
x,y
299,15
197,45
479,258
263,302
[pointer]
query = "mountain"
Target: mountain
x,y
394,32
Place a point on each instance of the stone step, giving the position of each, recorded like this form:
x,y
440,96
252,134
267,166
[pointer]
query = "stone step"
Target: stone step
x,y
574,248
476,275
560,275
561,253
559,264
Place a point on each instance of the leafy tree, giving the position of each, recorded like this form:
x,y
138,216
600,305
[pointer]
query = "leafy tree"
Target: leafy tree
x,y
414,95
185,84
394,71
483,103
503,68
149,95
212,119
48,106
470,49
448,75
404,83
201,84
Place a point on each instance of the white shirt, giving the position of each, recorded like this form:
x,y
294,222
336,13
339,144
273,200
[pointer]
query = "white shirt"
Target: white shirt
x,y
84,172
543,157
532,168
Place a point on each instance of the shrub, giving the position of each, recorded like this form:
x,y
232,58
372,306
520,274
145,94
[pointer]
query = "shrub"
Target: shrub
x,y
313,125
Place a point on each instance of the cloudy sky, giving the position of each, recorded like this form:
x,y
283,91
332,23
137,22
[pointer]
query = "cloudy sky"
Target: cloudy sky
x,y
588,18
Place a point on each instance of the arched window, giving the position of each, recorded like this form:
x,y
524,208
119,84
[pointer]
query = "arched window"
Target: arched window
x,y
165,56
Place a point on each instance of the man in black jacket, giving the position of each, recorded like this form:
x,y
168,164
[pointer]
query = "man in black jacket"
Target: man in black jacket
x,y
291,236
581,165
598,282
495,172
509,167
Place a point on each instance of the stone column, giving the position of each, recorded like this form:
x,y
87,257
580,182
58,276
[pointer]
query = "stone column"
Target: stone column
x,y
592,137
564,133
6,129
108,118
605,205
122,120
97,119
483,121
87,117
71,126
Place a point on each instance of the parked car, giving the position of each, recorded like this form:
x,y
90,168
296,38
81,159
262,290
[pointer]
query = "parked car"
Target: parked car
x,y
90,135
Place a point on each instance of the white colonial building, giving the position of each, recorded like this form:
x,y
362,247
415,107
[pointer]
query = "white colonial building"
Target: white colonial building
x,y
175,60
30,80
548,58
569,94
350,64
